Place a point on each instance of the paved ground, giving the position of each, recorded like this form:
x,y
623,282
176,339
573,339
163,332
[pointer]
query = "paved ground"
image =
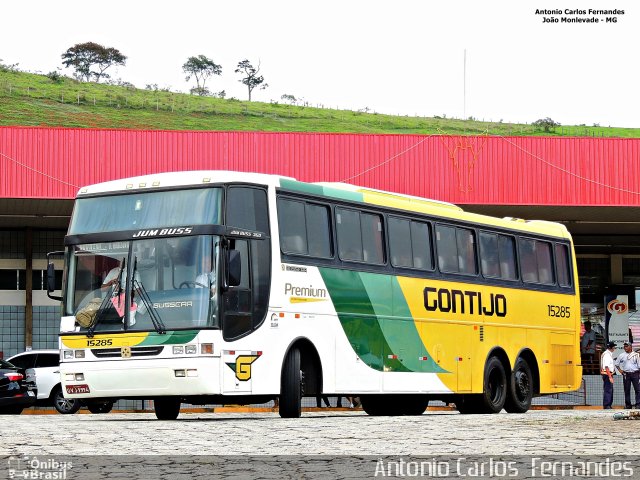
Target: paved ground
x,y
558,432
320,433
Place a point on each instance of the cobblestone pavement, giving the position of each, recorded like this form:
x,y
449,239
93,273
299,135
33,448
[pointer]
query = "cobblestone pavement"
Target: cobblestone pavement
x,y
561,432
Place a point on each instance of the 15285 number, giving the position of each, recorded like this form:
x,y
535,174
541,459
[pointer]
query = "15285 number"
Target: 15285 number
x,y
101,342
559,311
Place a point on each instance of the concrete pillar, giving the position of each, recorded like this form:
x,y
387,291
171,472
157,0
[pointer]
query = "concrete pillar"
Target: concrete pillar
x,y
28,306
616,269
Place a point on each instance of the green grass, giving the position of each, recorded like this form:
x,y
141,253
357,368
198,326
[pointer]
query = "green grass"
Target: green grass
x,y
35,100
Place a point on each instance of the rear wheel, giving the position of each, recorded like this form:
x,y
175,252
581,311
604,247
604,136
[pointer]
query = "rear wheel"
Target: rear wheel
x,y
63,405
291,388
520,391
495,386
100,407
167,408
494,391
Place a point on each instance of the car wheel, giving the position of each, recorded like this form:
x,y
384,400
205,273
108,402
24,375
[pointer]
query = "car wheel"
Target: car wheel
x,y
100,407
64,405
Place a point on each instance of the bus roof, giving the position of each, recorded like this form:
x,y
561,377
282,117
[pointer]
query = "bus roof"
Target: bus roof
x,y
178,179
338,190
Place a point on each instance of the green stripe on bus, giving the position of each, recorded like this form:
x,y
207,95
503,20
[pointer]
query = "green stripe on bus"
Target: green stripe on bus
x,y
312,189
359,319
170,338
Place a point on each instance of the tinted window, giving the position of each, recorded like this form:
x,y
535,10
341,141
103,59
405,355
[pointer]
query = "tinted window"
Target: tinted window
x,y
293,231
410,244
247,208
304,228
562,262
24,361
489,257
456,250
318,231
349,234
497,256
507,252
372,241
447,248
400,242
536,261
48,360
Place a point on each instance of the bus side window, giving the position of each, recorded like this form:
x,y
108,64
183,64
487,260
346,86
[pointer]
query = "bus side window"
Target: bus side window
x,y
562,265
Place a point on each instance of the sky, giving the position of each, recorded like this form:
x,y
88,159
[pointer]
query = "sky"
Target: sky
x,y
492,60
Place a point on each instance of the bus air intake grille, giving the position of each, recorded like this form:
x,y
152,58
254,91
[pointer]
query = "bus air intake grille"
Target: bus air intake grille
x,y
135,352
482,333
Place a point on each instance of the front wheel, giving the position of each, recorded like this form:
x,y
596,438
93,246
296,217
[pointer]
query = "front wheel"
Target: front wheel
x,y
520,391
167,408
64,405
291,386
100,407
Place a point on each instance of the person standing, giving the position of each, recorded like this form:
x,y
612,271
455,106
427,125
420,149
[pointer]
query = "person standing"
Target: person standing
x,y
588,349
607,369
628,364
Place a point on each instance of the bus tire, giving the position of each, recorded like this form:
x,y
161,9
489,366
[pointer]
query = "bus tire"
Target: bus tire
x,y
375,405
167,408
291,386
469,404
520,392
414,405
494,391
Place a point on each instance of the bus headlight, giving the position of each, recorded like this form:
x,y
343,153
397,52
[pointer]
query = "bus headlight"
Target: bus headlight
x,y
68,354
190,349
178,349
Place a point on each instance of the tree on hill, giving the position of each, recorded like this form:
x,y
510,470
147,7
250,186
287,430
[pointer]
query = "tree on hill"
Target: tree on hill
x,y
201,68
251,78
546,124
83,57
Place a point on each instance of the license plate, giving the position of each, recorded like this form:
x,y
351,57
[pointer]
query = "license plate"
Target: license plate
x,y
74,389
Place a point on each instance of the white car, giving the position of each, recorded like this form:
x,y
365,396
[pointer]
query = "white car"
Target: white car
x,y
46,364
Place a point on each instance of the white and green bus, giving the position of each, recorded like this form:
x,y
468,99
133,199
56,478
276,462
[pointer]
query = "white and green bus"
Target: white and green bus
x,y
216,287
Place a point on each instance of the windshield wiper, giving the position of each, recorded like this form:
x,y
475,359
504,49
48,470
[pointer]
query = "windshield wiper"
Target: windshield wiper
x,y
115,291
144,296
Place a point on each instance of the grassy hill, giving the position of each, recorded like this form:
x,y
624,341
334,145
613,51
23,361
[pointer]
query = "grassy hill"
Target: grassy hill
x,y
37,100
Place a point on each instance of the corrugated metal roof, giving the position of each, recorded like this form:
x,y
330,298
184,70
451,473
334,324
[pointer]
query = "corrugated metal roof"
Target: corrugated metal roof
x,y
54,162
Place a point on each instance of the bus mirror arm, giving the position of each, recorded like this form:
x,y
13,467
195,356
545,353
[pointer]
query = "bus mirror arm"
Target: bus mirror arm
x,y
51,276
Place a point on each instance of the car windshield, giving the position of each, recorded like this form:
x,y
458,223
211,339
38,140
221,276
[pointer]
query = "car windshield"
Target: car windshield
x,y
174,284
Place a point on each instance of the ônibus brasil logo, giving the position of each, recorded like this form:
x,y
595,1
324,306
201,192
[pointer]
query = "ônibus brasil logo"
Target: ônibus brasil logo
x,y
617,307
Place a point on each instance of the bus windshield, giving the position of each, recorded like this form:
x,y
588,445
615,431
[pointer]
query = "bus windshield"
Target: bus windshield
x,y
135,211
174,284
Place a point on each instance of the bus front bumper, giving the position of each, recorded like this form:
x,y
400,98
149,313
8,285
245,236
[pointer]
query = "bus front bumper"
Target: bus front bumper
x,y
145,378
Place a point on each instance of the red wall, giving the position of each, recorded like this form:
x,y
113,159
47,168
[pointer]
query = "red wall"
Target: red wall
x,y
53,162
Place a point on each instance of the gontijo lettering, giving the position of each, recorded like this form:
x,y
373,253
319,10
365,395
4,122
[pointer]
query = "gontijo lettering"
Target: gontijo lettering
x,y
467,301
